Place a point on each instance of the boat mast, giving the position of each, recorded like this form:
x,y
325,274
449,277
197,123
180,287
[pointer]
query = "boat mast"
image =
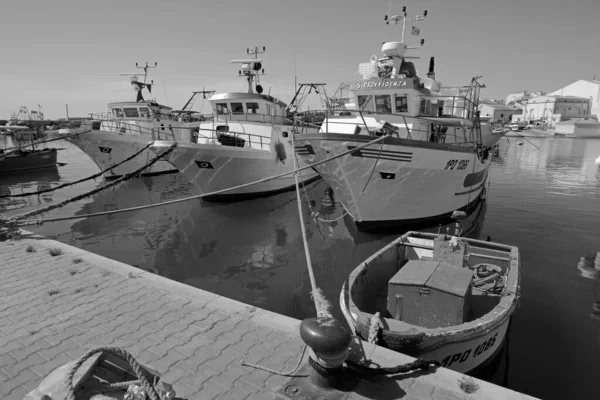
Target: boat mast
x,y
140,85
252,68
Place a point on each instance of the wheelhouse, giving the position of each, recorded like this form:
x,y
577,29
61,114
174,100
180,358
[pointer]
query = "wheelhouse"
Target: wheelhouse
x,y
250,107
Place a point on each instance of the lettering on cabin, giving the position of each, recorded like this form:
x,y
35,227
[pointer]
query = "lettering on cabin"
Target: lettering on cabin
x,y
386,83
464,356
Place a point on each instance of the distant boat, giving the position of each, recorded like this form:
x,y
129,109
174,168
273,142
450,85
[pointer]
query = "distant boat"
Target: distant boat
x,y
21,160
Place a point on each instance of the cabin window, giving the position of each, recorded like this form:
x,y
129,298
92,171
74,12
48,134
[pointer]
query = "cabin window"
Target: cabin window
x,y
131,112
252,108
401,103
268,109
222,108
423,108
365,103
117,113
237,108
222,128
144,112
383,104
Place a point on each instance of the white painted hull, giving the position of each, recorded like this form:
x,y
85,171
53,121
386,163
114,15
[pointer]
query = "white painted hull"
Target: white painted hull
x,y
213,167
490,137
469,353
412,181
108,148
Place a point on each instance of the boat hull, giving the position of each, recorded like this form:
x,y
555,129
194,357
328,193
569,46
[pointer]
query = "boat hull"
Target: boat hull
x,y
403,182
212,167
465,347
45,158
107,148
462,352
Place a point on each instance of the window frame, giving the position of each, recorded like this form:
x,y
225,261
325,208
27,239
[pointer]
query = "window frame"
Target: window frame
x,y
405,105
253,108
233,108
222,108
131,115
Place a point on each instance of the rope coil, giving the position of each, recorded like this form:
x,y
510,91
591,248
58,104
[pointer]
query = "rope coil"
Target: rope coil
x,y
150,389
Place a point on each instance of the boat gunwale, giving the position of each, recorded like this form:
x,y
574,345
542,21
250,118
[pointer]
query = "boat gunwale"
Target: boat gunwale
x,y
390,141
489,321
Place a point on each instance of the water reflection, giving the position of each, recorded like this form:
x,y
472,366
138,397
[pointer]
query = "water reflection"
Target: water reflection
x,y
25,182
589,267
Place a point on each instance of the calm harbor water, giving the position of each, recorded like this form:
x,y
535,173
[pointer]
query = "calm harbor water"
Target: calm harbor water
x,y
546,201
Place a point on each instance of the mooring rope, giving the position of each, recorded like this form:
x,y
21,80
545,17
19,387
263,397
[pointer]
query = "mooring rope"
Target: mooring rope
x,y
13,220
321,304
346,210
80,180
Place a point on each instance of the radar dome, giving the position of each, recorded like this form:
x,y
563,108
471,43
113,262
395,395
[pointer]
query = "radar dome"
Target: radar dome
x,y
393,49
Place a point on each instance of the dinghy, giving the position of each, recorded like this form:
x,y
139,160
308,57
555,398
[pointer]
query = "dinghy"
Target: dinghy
x,y
439,297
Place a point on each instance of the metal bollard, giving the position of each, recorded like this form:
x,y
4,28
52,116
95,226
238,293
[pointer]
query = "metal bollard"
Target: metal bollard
x,y
328,341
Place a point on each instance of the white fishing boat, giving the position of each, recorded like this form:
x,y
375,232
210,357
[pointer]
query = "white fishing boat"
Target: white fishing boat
x,y
246,140
436,296
432,161
109,138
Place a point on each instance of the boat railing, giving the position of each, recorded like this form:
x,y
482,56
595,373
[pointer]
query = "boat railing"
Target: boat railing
x,y
423,128
231,138
250,117
443,106
117,125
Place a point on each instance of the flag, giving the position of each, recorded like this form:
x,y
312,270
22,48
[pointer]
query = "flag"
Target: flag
x,y
415,31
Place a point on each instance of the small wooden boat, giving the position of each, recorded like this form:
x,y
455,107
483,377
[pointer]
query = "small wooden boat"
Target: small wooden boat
x,y
436,296
27,159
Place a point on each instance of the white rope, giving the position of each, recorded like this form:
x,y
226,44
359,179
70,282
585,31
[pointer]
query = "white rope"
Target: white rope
x,y
321,304
81,216
346,210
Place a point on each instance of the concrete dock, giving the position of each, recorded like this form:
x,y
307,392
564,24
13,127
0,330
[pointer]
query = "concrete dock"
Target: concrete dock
x,y
57,302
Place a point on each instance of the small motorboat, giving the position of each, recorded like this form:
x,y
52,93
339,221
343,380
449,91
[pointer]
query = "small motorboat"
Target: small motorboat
x,y
439,297
22,159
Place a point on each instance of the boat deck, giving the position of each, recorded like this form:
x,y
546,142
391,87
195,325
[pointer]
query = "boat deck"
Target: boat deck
x,y
57,302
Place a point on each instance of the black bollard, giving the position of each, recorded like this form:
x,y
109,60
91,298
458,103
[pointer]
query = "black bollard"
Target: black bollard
x,y
328,340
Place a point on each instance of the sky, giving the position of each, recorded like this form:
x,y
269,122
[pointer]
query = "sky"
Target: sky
x,y
72,52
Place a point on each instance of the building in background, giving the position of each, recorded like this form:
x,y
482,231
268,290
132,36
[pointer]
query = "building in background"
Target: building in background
x,y
498,112
549,110
589,89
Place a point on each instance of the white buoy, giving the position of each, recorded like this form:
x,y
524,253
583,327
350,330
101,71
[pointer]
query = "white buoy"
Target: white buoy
x,y
597,161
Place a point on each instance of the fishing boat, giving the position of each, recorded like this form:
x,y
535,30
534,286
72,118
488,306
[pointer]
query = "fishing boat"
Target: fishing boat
x,y
436,296
245,141
21,158
431,161
25,159
111,137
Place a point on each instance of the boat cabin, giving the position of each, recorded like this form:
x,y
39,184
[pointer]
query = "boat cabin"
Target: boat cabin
x,y
138,110
248,107
391,92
